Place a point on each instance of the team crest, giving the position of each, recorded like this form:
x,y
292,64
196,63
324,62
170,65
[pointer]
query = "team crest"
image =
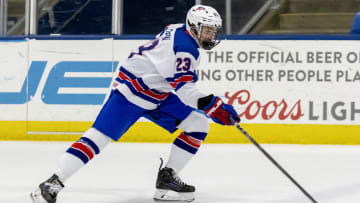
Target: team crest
x,y
200,8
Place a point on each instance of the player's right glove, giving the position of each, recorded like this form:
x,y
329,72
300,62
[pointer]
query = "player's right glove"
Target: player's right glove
x,y
218,111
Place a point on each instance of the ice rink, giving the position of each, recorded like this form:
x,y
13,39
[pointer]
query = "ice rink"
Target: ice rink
x,y
126,172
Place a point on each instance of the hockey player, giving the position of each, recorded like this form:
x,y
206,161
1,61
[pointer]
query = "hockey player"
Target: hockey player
x,y
157,82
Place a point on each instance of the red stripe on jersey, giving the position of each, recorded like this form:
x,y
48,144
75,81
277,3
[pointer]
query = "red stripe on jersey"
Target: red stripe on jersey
x,y
148,92
123,76
184,78
133,82
189,140
157,96
138,87
84,148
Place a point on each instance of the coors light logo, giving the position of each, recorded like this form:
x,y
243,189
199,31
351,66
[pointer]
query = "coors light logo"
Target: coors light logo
x,y
267,110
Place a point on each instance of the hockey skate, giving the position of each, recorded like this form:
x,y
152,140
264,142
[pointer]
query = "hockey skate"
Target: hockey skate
x,y
170,188
47,191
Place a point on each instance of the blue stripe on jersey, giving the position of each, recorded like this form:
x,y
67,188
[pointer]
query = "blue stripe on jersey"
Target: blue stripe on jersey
x,y
79,154
144,86
132,77
89,142
127,73
139,94
153,95
180,86
181,144
184,42
140,80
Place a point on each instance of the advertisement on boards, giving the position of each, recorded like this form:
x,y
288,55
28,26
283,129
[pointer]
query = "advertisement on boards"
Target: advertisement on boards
x,y
269,82
266,81
286,81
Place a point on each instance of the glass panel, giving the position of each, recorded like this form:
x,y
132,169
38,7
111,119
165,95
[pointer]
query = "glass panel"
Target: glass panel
x,y
150,17
72,17
242,12
16,17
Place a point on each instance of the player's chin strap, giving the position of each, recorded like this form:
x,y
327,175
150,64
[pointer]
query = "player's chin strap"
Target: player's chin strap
x,y
237,125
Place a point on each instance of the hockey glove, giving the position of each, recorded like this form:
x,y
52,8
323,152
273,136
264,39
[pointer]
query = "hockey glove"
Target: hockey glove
x,y
220,112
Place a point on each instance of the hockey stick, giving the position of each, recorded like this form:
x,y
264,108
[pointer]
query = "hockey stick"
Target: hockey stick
x,y
275,163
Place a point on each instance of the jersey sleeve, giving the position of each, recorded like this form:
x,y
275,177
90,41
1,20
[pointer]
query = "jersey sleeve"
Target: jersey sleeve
x,y
189,94
184,70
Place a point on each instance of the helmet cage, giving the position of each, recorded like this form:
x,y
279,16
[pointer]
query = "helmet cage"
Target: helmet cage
x,y
209,44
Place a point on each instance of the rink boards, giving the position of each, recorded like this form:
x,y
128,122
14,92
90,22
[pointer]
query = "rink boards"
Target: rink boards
x,y
286,91
149,132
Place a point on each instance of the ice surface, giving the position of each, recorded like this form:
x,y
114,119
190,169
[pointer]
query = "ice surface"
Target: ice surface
x,y
126,173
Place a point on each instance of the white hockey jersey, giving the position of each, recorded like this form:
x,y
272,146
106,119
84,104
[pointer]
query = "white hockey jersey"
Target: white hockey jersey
x,y
162,65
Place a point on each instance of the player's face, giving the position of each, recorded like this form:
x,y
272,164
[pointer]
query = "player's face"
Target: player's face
x,y
207,34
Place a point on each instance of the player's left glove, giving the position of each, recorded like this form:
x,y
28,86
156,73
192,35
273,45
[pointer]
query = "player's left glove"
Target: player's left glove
x,y
220,112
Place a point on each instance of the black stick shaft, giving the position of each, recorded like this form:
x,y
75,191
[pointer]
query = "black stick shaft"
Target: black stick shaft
x,y
276,163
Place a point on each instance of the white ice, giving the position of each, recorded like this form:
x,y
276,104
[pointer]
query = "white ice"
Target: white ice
x,y
126,172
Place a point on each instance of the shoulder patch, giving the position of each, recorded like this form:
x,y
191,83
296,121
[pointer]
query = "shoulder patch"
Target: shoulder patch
x,y
183,42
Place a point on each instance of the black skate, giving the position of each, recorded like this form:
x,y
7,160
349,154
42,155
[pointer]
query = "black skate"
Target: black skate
x,y
168,182
47,191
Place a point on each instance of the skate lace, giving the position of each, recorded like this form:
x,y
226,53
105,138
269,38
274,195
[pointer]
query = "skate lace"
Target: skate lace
x,y
178,180
53,188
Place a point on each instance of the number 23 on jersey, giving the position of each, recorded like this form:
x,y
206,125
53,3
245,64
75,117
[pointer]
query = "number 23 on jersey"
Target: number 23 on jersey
x,y
183,64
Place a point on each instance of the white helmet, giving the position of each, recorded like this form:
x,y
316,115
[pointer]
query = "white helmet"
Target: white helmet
x,y
199,16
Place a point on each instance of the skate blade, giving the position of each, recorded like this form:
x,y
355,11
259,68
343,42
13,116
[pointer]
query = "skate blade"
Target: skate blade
x,y
174,197
36,197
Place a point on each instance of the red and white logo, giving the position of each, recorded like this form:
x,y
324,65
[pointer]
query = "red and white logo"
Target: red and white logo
x,y
268,110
